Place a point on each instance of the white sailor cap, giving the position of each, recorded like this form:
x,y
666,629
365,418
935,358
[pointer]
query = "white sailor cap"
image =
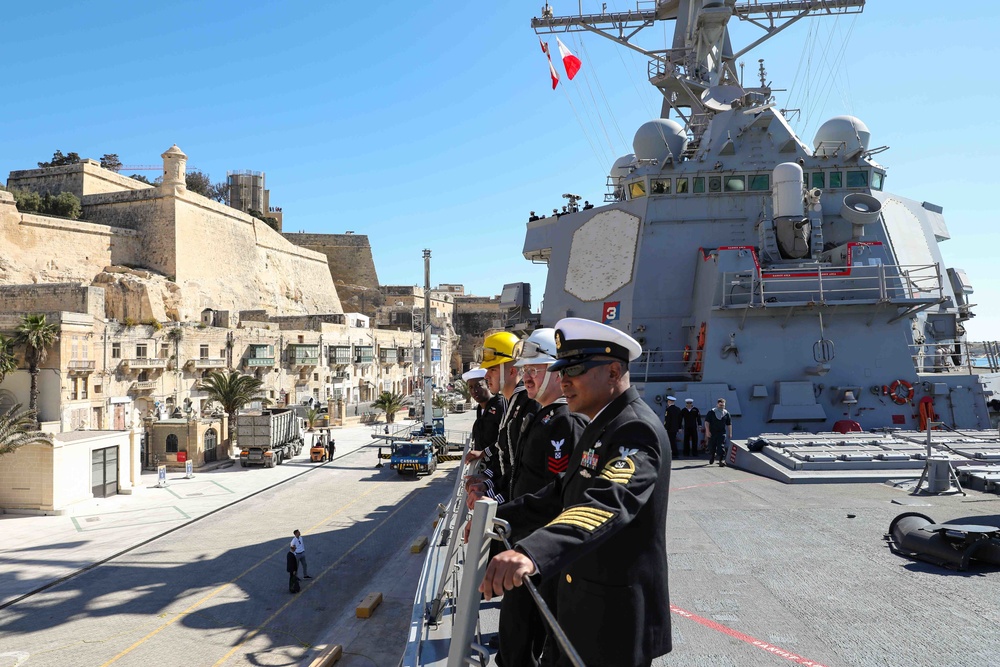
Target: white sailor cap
x,y
474,374
577,339
689,400
671,398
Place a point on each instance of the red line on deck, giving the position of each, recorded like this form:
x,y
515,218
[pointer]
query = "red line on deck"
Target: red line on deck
x,y
736,634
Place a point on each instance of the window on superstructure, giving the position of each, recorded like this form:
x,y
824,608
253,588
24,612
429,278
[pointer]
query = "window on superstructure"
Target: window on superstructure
x,y
878,180
660,186
760,182
836,179
637,189
736,183
682,186
715,184
818,180
857,179
699,185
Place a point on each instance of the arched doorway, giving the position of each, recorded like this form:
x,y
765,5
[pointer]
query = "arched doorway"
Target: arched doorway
x,y
211,441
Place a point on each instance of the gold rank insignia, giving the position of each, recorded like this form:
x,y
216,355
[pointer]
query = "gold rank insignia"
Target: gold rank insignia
x,y
587,518
621,468
559,339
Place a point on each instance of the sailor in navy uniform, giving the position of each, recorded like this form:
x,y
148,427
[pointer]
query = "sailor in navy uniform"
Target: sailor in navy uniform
x,y
546,446
489,409
600,530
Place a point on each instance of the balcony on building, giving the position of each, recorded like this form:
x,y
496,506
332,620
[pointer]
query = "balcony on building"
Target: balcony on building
x,y
80,366
207,362
339,355
303,355
364,354
405,355
259,355
155,363
144,385
388,356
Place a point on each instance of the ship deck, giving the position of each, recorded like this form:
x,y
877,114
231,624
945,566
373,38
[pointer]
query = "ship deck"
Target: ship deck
x,y
766,573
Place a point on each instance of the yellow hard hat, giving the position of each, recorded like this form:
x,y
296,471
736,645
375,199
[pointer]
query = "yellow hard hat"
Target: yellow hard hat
x,y
498,348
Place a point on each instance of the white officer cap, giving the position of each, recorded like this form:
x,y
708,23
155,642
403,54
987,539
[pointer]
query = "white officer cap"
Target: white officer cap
x,y
689,400
671,398
474,374
578,339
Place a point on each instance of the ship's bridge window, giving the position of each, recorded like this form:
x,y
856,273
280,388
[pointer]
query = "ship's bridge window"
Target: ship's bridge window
x,y
682,186
836,179
699,185
637,189
857,179
818,180
659,186
878,180
736,183
715,183
760,182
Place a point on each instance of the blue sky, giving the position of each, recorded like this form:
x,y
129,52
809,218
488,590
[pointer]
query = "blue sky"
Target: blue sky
x,y
433,124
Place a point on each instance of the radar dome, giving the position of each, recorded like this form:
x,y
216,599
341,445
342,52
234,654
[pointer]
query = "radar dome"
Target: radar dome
x,y
846,131
620,167
658,139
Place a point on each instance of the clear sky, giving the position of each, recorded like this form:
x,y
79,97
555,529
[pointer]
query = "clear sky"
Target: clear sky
x,y
433,124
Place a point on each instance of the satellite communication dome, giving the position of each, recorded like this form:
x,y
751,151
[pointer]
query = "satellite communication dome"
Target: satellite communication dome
x,y
659,139
620,167
846,130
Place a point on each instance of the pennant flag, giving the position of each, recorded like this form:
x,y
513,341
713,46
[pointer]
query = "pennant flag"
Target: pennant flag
x,y
552,70
570,62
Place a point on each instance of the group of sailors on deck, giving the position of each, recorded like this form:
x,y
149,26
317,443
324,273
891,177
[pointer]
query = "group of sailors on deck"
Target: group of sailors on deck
x,y
580,467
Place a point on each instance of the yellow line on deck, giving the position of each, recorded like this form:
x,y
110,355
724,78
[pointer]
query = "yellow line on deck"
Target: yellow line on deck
x,y
232,581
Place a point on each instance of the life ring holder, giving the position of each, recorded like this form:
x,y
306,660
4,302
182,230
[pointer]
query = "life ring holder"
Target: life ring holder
x,y
901,398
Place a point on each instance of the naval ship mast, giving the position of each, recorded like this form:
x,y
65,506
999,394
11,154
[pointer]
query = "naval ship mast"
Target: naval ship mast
x,y
701,57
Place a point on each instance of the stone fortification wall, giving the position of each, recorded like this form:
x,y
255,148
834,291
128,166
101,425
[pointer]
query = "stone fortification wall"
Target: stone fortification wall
x,y
43,249
236,261
83,178
349,255
52,299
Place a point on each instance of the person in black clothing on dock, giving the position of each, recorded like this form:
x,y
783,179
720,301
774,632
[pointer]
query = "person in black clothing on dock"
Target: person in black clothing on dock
x,y
691,421
672,422
292,566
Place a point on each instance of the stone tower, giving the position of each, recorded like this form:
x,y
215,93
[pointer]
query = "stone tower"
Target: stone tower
x,y
174,168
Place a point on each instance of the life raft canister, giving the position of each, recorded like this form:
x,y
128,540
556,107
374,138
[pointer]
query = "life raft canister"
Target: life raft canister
x,y
898,397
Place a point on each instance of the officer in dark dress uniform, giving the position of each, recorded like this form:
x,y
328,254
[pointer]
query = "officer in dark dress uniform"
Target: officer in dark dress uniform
x,y
600,530
691,422
672,422
546,446
489,409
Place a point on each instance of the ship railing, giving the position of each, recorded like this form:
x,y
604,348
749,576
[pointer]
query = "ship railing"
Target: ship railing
x,y
958,357
450,578
663,364
902,284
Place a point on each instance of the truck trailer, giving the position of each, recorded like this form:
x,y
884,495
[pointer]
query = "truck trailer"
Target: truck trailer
x,y
269,437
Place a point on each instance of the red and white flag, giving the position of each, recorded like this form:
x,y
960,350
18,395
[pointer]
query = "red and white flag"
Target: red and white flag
x,y
570,62
552,70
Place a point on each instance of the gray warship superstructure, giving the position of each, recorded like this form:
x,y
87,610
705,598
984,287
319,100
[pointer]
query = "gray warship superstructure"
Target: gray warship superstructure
x,y
753,266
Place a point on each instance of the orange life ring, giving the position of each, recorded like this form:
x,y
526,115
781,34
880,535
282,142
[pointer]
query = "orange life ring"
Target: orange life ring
x,y
927,413
901,398
687,353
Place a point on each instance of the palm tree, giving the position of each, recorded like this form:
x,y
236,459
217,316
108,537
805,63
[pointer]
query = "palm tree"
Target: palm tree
x,y
232,390
17,429
462,387
390,403
312,416
8,362
175,335
37,336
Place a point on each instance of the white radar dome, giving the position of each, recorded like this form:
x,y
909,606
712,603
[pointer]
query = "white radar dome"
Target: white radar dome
x,y
658,139
620,168
846,131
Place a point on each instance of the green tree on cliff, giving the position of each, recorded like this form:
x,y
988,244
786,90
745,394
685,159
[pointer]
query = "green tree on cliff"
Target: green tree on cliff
x,y
58,160
199,183
111,162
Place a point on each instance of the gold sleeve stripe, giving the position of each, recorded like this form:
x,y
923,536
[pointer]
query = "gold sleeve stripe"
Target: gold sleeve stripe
x,y
587,518
619,470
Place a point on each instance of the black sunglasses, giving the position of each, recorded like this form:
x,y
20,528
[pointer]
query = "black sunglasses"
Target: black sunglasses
x,y
579,369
